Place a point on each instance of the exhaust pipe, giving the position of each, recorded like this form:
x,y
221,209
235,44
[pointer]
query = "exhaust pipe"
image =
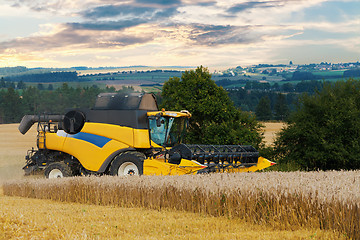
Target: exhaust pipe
x,y
28,120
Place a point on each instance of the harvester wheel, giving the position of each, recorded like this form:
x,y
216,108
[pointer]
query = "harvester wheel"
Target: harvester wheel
x,y
128,164
58,170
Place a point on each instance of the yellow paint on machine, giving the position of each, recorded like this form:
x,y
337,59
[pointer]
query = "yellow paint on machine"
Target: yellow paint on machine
x,y
141,138
261,164
89,155
154,166
53,142
136,138
115,132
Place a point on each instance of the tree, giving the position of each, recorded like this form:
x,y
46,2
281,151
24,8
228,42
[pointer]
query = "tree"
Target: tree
x,y
215,119
21,85
12,107
2,83
297,75
10,85
281,108
263,109
287,87
352,73
40,86
31,100
276,87
324,132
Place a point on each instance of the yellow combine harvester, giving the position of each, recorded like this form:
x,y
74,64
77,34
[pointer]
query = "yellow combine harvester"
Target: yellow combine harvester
x,y
126,134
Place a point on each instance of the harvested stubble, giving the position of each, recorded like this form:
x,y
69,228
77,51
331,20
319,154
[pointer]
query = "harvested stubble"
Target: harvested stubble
x,y
325,200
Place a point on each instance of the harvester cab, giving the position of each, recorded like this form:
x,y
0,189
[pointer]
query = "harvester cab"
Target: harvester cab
x,y
126,134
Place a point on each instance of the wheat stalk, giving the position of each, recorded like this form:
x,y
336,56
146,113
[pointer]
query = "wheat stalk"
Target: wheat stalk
x,y
325,200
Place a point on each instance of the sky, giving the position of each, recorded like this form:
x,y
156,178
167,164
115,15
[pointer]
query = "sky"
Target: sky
x,y
219,33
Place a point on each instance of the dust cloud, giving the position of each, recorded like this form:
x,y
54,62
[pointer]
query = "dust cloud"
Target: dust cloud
x,y
13,148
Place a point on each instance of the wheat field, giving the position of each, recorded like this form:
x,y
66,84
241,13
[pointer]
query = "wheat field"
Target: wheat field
x,y
270,129
156,208
285,201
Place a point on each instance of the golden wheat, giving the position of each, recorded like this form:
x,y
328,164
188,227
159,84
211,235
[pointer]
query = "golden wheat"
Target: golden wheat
x,y
325,200
26,218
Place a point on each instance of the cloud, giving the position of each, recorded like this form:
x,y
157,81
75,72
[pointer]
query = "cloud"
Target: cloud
x,y
160,2
180,30
70,38
126,15
128,11
250,5
44,5
122,41
206,4
107,25
212,35
116,10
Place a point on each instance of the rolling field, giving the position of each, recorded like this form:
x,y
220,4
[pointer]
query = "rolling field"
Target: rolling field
x,y
130,216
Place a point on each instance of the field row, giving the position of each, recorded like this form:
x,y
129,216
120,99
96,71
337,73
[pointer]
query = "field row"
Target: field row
x,y
325,200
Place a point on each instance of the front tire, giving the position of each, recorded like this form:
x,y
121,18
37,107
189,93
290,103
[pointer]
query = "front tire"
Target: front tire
x,y
128,164
58,170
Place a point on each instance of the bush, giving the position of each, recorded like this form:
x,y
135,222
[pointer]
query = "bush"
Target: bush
x,y
324,132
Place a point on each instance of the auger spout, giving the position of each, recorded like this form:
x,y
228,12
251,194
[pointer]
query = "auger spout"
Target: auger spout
x,y
28,120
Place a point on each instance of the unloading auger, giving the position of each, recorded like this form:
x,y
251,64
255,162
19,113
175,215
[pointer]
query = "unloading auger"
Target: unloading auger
x,y
126,134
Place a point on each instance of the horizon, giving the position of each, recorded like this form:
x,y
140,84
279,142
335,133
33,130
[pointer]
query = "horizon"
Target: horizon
x,y
165,67
215,34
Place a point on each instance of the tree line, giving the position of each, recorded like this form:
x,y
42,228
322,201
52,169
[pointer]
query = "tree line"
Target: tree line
x,y
44,77
14,104
271,101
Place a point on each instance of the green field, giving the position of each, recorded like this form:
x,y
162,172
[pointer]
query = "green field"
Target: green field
x,y
155,77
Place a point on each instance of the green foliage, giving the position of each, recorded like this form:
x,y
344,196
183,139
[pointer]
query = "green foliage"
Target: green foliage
x,y
281,108
11,106
44,77
303,76
352,73
324,132
21,85
215,119
34,101
2,83
263,109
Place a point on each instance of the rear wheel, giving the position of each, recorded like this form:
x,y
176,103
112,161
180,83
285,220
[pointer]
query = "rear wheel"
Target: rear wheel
x,y
128,164
58,170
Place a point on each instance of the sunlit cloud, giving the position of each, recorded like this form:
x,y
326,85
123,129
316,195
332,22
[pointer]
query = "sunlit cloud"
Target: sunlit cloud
x,y
175,32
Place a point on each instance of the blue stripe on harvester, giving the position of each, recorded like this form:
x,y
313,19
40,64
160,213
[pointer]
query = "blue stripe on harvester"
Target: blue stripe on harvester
x,y
97,140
